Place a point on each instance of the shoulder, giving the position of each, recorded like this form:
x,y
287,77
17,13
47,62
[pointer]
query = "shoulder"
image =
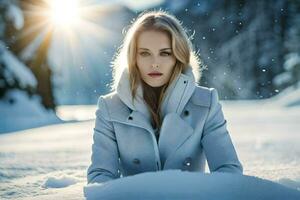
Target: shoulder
x,y
110,103
204,96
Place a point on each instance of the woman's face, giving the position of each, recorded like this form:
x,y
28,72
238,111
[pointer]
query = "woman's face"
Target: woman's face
x,y
155,56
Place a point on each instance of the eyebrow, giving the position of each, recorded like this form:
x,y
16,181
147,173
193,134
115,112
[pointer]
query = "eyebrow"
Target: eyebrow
x,y
160,49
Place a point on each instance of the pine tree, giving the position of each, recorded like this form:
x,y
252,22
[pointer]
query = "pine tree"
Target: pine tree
x,y
13,73
291,74
36,58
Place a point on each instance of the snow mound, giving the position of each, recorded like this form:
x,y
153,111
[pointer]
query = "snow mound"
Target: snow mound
x,y
290,183
19,111
59,182
176,184
289,97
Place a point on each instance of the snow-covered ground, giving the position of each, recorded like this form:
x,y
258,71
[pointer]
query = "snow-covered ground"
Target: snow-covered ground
x,y
50,162
18,111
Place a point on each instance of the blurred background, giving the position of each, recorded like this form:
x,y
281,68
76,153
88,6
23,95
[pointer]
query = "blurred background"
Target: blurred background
x,y
55,53
55,61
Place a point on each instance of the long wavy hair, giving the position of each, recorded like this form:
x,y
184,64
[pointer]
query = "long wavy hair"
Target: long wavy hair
x,y
127,53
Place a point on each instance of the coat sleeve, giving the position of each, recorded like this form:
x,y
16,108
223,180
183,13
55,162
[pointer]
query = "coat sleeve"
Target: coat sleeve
x,y
105,156
216,142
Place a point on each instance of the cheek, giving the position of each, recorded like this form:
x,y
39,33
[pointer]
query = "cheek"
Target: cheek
x,y
141,67
169,71
139,62
142,62
169,65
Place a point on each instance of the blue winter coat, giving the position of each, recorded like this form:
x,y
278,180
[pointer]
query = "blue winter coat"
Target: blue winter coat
x,y
193,130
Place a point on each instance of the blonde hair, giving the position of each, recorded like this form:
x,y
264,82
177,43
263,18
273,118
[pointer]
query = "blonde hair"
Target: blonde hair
x,y
181,47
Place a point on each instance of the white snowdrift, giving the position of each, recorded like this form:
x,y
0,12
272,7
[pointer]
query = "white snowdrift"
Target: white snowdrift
x,y
59,182
176,184
19,111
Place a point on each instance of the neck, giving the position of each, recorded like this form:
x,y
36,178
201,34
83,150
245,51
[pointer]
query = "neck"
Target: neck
x,y
157,90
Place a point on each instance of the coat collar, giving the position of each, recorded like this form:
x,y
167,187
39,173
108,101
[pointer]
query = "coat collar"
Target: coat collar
x,y
177,94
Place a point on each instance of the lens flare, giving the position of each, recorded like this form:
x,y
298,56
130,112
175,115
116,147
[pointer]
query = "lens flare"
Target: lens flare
x,y
64,12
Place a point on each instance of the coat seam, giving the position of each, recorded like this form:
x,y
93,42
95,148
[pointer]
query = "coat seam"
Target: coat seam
x,y
180,101
209,110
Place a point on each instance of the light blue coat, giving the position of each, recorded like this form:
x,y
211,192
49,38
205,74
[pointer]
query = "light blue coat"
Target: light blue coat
x,y
193,130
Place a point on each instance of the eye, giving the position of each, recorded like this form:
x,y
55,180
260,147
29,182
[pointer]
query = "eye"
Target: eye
x,y
166,53
144,53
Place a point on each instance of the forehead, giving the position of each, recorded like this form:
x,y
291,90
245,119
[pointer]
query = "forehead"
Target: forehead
x,y
152,39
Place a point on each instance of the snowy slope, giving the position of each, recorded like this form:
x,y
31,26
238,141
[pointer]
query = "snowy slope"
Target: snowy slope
x,y
289,97
18,111
50,162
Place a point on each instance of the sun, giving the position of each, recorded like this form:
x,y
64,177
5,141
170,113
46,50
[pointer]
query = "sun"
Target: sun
x,y
64,12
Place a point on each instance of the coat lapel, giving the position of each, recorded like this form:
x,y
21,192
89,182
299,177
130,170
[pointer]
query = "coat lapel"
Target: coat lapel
x,y
174,132
139,120
134,118
178,94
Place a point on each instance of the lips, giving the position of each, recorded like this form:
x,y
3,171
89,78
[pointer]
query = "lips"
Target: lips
x,y
155,74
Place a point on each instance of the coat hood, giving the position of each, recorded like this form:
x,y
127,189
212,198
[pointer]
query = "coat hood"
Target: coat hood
x,y
177,95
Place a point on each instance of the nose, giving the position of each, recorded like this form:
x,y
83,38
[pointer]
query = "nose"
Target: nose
x,y
154,65
156,61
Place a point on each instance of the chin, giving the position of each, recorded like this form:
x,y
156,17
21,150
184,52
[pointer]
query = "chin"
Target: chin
x,y
155,84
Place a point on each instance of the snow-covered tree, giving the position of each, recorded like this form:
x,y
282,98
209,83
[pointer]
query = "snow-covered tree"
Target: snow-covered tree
x,y
32,49
13,73
291,75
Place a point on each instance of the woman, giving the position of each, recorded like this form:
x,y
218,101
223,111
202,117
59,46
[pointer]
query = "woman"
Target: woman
x,y
157,117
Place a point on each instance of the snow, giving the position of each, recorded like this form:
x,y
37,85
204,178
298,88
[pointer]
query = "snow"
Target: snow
x,y
76,112
59,182
29,158
292,60
15,14
50,162
19,111
284,77
193,185
16,68
292,67
288,97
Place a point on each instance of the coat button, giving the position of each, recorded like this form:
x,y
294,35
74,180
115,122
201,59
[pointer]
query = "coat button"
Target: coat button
x,y
136,161
187,161
186,113
130,118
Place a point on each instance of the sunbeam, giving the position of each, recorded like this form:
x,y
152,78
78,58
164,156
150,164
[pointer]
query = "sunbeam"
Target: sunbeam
x,y
64,12
68,20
